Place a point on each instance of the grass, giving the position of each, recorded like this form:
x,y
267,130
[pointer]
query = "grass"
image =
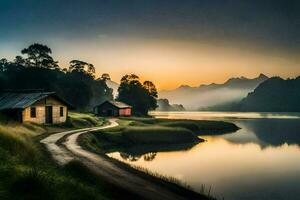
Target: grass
x,y
199,127
170,179
124,137
81,120
158,135
164,177
27,172
134,132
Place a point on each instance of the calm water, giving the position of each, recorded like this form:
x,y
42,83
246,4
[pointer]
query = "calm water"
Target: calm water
x,y
260,161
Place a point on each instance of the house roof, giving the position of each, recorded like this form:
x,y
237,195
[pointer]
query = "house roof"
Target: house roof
x,y
117,104
21,100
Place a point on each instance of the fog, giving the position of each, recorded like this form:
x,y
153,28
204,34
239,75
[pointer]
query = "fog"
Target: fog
x,y
195,98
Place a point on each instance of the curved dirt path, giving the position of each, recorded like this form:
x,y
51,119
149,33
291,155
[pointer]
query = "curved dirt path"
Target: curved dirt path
x,y
60,154
70,150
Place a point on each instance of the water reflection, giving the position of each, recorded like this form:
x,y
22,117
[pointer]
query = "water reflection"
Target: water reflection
x,y
260,161
264,132
276,131
148,152
132,158
149,156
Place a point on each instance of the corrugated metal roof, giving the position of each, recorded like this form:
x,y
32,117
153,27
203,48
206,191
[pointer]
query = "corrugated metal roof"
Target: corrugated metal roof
x,y
20,100
117,104
120,104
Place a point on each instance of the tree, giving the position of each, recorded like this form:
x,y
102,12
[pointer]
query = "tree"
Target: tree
x,y
131,78
152,91
38,55
3,64
105,77
79,66
19,60
132,92
150,87
80,89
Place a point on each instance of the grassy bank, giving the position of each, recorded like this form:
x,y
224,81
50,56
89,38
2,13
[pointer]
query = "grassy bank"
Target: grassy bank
x,y
82,120
198,127
136,137
27,172
151,134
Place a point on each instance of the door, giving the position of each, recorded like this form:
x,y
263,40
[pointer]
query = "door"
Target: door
x,y
48,115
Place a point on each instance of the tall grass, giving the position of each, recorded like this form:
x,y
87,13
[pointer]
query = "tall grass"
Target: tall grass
x,y
163,177
203,190
17,146
24,130
27,173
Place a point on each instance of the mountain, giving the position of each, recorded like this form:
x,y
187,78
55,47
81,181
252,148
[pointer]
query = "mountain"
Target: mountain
x,y
164,105
273,95
113,85
195,98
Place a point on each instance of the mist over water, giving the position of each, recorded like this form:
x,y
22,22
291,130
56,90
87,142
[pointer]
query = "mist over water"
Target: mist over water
x,y
260,161
193,100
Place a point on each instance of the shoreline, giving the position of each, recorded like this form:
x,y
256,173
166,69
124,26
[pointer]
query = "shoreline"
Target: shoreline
x,y
125,177
158,179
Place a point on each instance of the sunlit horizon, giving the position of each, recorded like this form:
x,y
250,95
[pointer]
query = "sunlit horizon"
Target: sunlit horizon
x,y
172,63
171,43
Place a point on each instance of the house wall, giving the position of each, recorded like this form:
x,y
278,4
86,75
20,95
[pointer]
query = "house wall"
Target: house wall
x,y
40,115
41,111
125,112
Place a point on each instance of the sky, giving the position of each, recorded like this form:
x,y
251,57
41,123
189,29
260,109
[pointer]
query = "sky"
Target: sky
x,y
170,42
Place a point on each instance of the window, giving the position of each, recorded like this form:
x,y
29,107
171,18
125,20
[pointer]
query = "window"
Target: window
x,y
33,112
61,111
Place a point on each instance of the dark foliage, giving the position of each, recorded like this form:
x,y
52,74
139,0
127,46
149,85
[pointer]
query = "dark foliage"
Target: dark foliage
x,y
142,97
38,55
32,185
275,94
39,71
164,105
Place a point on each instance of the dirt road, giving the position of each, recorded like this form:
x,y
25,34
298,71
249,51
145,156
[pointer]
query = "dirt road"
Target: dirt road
x,y
100,165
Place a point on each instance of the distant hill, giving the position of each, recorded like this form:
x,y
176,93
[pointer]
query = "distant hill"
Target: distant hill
x,y
164,105
113,85
195,98
275,94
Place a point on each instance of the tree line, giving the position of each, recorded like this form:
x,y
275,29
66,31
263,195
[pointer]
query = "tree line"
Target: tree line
x,y
77,84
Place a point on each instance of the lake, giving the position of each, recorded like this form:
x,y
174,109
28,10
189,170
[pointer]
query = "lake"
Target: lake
x,y
260,161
